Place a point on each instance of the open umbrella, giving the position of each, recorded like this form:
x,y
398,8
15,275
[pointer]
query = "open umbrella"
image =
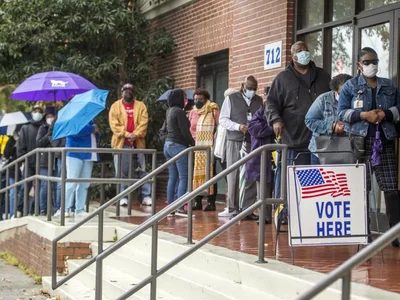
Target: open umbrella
x,y
242,173
376,158
164,97
51,86
79,112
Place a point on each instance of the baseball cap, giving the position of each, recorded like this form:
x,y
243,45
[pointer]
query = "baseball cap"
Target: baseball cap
x,y
127,86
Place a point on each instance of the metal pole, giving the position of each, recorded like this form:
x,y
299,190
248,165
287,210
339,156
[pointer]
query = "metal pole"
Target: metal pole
x,y
261,217
154,250
346,286
49,186
63,188
26,192
102,189
118,187
99,263
208,163
130,177
36,186
189,207
6,199
16,188
153,185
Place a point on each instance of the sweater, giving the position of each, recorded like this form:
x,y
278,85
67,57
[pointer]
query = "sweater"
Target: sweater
x,y
118,123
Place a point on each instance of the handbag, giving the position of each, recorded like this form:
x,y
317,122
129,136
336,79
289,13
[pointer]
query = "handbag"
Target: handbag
x,y
340,149
220,143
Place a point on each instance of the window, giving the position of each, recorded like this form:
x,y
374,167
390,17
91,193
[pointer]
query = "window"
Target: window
x,y
314,44
310,13
342,50
341,9
370,4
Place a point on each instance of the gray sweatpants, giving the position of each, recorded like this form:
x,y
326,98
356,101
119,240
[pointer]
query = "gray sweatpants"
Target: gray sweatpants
x,y
250,193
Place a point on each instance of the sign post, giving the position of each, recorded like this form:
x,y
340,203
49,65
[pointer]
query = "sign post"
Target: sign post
x,y
327,205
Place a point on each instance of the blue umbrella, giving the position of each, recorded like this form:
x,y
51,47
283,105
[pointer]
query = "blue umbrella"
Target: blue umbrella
x,y
164,97
79,112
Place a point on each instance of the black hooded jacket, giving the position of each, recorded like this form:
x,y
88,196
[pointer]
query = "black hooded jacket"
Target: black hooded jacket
x,y
178,125
289,99
27,140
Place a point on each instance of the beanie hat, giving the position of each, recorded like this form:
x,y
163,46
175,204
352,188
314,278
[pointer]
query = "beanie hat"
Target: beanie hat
x,y
50,110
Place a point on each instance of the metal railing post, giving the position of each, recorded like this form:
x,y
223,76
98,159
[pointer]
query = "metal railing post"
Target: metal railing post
x,y
153,186
154,254
63,187
346,286
6,199
99,264
36,186
26,192
261,216
49,186
16,188
130,171
190,203
118,187
102,189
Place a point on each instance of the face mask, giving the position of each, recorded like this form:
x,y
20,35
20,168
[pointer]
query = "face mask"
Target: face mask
x,y
37,116
370,71
49,120
337,97
199,104
128,97
185,102
16,137
249,94
303,58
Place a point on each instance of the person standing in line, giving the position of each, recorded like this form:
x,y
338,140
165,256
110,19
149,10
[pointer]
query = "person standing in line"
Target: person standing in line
x,y
79,165
128,121
27,143
237,110
290,97
369,104
203,123
177,140
43,141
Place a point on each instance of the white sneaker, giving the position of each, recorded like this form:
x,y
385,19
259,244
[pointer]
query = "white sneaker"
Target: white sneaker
x,y
58,214
225,213
147,201
81,215
123,202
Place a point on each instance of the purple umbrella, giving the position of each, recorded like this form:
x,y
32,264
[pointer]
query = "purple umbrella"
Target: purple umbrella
x,y
51,86
376,159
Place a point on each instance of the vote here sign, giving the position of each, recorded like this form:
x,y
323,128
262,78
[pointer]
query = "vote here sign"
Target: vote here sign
x,y
327,205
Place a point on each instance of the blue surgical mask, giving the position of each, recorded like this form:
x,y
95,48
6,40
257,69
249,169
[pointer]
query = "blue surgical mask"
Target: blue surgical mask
x,y
303,58
37,116
249,93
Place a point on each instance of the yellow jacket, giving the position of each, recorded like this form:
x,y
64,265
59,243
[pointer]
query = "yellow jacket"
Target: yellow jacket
x,y
118,123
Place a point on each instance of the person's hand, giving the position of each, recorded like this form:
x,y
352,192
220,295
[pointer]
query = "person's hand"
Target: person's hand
x,y
243,128
381,115
339,127
278,128
131,137
371,116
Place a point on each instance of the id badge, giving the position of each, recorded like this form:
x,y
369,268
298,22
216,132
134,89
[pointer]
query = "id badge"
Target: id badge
x,y
249,116
358,103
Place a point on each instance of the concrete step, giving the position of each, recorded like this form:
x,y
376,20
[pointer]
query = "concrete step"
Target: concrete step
x,y
115,281
181,280
72,290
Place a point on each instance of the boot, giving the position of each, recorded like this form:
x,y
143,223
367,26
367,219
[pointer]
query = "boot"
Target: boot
x,y
210,203
198,205
392,202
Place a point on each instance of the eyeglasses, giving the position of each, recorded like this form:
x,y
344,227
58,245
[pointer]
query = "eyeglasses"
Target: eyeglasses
x,y
370,61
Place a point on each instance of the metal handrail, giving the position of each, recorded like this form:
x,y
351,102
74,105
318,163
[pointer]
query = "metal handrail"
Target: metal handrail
x,y
153,222
100,210
344,271
63,179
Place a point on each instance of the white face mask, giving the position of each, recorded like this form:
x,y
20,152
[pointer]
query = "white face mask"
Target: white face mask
x,y
370,71
49,120
249,94
337,97
37,116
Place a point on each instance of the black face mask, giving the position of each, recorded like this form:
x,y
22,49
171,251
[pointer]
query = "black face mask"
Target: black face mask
x,y
128,97
199,104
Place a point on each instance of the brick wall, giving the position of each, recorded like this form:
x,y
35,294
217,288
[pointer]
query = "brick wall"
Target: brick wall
x,y
242,26
34,251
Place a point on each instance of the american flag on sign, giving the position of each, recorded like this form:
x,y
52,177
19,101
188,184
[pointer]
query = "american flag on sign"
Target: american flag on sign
x,y
318,182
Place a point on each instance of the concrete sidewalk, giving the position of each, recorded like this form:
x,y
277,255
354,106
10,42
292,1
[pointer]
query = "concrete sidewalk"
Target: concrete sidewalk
x,y
15,284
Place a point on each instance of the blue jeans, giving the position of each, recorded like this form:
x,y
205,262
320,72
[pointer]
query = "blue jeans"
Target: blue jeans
x,y
44,189
145,188
11,195
178,171
77,168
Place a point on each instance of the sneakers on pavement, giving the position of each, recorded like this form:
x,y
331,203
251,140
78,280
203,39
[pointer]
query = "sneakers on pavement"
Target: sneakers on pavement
x,y
123,202
226,213
81,215
147,201
58,214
